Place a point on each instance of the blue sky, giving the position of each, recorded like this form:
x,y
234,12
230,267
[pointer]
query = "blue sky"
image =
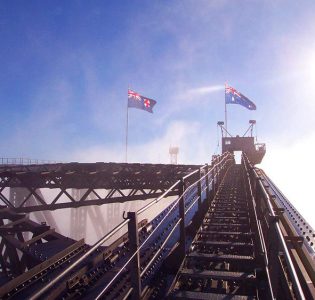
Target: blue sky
x,y
66,67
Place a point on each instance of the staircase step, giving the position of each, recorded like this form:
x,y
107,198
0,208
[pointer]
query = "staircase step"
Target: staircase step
x,y
215,211
220,243
239,233
227,210
220,275
224,224
229,206
220,257
225,218
206,296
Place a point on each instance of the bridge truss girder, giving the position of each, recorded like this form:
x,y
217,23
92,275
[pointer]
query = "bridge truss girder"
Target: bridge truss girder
x,y
93,175
64,199
23,242
103,183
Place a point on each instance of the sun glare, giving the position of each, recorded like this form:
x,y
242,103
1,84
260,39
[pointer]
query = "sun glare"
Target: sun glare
x,y
307,62
311,69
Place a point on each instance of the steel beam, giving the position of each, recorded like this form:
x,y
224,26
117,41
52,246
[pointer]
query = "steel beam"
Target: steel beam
x,y
102,183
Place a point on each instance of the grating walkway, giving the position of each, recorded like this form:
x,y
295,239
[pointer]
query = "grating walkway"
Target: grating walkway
x,y
221,261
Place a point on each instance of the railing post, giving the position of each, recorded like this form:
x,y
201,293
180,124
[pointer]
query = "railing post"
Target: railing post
x,y
181,206
207,183
213,182
199,190
216,175
135,263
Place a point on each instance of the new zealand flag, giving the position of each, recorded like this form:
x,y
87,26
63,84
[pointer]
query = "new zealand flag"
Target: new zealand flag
x,y
232,96
140,102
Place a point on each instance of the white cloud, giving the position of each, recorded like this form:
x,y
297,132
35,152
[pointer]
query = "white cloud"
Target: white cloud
x,y
192,93
98,154
188,136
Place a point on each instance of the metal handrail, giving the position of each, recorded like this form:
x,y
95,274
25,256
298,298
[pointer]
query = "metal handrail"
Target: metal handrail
x,y
294,277
99,243
146,207
260,233
160,248
137,251
85,255
190,174
207,174
125,222
291,213
287,256
161,222
139,248
197,198
25,161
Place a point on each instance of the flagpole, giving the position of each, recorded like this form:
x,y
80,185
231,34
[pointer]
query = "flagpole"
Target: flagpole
x,y
126,153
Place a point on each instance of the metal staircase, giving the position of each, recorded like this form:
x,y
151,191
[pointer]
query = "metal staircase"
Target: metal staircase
x,y
222,260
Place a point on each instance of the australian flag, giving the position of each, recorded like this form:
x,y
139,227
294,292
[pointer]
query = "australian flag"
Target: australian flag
x,y
232,96
140,102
